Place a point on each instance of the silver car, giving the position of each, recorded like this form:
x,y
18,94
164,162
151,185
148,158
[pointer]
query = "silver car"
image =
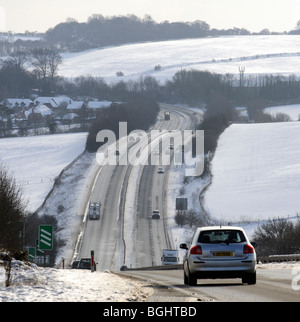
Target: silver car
x,y
219,252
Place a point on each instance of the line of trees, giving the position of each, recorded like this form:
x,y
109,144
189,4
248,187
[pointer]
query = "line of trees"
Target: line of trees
x,y
17,81
278,237
101,31
192,87
139,112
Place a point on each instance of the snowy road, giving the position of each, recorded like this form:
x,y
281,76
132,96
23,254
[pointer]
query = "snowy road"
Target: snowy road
x,y
140,243
275,283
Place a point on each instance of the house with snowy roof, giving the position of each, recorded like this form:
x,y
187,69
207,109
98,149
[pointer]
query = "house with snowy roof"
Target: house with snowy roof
x,y
76,106
53,102
17,103
38,114
96,105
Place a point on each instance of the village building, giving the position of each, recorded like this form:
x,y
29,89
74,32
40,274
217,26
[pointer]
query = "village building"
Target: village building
x,y
53,102
16,104
38,115
96,105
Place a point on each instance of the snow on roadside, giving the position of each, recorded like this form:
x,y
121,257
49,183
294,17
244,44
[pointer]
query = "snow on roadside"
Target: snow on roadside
x,y
68,201
36,284
281,265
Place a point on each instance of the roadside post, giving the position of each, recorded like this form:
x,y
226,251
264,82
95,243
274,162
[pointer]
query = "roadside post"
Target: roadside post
x,y
92,261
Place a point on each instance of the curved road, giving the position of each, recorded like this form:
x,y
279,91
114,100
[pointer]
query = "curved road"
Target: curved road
x,y
108,237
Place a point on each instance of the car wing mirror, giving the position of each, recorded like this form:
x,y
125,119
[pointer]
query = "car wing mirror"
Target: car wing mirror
x,y
184,246
254,244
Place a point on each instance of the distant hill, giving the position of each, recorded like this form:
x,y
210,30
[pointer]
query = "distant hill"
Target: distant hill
x,y
99,31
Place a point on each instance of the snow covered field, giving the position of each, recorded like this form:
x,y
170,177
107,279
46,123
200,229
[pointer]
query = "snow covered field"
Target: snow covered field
x,y
256,173
36,284
292,110
35,161
258,54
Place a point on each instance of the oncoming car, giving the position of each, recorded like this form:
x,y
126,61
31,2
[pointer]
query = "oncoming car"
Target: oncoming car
x,y
219,252
155,214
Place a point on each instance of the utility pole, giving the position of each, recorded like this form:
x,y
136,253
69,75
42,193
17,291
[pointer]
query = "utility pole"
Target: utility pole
x,y
242,72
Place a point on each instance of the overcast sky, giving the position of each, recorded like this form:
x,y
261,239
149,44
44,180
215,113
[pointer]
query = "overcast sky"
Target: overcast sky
x,y
254,15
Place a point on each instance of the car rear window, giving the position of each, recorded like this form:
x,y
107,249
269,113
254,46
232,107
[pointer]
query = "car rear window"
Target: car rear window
x,y
221,236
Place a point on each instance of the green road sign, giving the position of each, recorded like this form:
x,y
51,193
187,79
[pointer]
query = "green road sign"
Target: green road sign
x,y
31,253
46,237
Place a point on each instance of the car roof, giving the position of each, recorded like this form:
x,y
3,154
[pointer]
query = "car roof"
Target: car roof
x,y
220,228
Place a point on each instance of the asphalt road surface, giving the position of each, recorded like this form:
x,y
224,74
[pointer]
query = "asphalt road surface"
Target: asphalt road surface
x,y
273,285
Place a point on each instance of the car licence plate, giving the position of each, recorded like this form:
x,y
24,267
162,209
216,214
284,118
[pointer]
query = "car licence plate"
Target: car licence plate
x,y
223,253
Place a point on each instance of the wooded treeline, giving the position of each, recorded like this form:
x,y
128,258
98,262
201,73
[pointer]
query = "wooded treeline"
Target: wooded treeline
x,y
100,31
140,112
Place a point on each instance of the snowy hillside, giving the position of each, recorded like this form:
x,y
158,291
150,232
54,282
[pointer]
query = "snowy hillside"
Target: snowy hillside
x,y
256,172
259,54
36,161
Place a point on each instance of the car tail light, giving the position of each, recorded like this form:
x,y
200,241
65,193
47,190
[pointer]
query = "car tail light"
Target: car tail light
x,y
248,249
196,250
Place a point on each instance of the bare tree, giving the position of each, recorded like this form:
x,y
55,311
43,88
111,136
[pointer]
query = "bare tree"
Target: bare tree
x,y
46,62
277,236
19,58
12,212
12,215
54,60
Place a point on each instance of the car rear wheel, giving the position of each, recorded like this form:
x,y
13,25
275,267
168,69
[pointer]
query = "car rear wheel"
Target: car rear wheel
x,y
249,278
189,278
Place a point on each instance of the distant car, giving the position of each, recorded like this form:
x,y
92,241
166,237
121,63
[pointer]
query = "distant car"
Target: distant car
x,y
94,210
117,153
219,252
86,263
155,214
160,170
75,264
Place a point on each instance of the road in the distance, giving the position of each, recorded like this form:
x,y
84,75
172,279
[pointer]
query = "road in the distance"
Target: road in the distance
x,y
104,236
273,285
152,234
